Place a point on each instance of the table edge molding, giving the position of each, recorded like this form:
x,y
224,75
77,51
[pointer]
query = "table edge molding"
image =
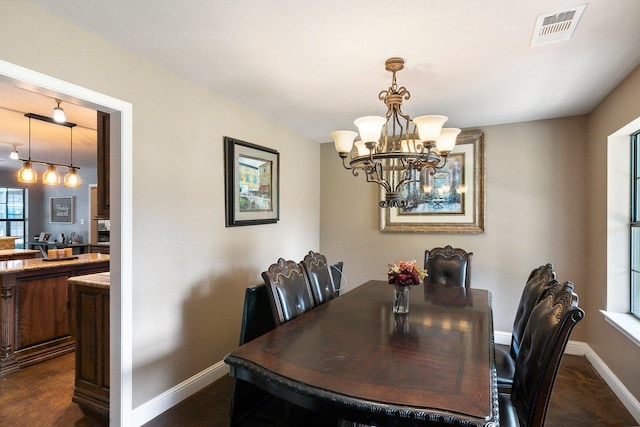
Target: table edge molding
x,y
362,405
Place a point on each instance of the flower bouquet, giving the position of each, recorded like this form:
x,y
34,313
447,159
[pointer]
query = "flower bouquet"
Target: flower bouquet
x,y
403,275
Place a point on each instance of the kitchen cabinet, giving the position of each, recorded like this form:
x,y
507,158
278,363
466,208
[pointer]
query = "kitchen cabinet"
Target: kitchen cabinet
x,y
91,391
36,308
99,248
104,137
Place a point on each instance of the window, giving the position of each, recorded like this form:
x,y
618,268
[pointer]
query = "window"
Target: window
x,y
634,225
12,214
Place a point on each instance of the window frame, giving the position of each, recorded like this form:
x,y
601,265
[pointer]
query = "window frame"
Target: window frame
x,y
634,228
5,228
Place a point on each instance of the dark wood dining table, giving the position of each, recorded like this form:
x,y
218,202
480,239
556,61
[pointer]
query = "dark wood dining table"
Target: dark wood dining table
x,y
352,357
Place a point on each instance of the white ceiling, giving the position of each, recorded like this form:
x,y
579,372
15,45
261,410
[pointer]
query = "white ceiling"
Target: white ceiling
x,y
49,142
314,65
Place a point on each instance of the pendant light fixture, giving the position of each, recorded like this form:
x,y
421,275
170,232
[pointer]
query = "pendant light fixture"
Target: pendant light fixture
x,y
14,154
72,179
58,113
51,177
27,174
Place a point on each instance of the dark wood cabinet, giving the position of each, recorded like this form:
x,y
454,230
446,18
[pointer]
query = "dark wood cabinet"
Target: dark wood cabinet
x,y
36,308
43,310
91,391
99,249
103,135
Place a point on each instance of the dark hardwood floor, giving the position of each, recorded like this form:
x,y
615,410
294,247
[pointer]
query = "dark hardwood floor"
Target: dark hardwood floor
x,y
40,395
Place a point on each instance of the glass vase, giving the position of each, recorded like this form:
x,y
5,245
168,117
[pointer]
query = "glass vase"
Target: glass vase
x,y
401,299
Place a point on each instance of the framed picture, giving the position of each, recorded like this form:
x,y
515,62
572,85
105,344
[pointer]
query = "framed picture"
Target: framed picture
x,y
451,200
61,210
251,183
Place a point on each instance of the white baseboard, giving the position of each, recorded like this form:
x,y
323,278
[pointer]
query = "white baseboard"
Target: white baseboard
x,y
156,406
627,399
500,337
576,348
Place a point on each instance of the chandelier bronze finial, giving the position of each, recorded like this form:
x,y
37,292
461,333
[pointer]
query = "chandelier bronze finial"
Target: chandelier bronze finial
x,y
394,150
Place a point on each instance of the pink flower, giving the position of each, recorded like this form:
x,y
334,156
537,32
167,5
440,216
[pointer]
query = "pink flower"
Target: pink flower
x,y
405,273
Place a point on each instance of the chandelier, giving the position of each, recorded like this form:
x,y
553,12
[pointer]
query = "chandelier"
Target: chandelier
x,y
395,150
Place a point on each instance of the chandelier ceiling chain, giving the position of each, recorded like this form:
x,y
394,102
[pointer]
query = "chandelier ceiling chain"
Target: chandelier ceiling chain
x,y
389,152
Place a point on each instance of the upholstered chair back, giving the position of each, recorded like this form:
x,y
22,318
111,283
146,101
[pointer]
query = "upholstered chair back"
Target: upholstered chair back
x,y
336,270
448,266
539,280
543,343
319,277
257,317
288,289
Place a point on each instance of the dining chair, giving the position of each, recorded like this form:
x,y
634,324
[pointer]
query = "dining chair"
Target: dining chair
x,y
543,343
538,281
257,319
288,289
337,274
448,266
319,277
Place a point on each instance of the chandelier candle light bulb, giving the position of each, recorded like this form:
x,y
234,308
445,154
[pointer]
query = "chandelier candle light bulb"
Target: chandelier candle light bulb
x,y
370,128
343,140
362,149
447,140
395,150
429,126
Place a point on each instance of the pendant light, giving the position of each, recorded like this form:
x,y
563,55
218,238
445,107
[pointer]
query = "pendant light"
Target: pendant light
x,y
72,179
27,174
58,113
14,154
51,176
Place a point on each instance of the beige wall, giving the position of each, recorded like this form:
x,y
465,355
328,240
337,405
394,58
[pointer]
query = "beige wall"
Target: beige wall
x,y
546,187
189,270
623,357
535,213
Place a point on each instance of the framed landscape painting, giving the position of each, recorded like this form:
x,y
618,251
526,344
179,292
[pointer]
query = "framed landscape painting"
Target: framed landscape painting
x,y
451,200
251,183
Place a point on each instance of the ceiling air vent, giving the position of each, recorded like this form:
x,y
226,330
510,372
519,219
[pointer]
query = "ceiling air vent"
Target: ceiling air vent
x,y
556,26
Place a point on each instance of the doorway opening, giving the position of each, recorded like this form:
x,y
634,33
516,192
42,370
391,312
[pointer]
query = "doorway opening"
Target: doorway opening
x,y
121,131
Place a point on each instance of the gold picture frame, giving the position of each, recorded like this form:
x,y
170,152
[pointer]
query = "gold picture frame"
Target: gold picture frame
x,y
453,199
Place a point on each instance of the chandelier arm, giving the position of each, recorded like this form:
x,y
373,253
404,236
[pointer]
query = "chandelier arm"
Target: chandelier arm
x,y
375,174
372,174
407,179
442,164
344,163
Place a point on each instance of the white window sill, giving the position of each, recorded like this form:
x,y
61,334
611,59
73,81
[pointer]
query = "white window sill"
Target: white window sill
x,y
625,323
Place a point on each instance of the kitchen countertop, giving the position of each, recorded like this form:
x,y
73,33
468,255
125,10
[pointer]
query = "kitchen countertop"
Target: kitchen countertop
x,y
8,242
5,252
97,280
16,266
